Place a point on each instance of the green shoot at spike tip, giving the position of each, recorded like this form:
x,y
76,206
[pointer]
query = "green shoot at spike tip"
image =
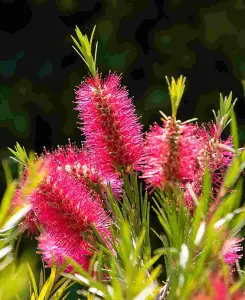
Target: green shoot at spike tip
x,y
83,46
176,90
223,118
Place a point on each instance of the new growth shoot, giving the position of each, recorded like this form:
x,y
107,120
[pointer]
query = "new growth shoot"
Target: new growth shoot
x,y
176,90
84,49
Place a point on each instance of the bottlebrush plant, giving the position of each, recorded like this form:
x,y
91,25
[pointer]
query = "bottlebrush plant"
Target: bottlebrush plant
x,y
93,209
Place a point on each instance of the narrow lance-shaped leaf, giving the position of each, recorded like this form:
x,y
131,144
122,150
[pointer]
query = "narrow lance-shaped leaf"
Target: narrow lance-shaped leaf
x,y
33,281
84,49
234,131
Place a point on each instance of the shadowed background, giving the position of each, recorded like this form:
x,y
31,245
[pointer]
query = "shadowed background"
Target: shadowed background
x,y
145,40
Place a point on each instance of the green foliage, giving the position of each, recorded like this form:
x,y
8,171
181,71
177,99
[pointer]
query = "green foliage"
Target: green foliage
x,y
84,49
224,115
20,154
53,287
122,268
192,245
176,90
14,279
15,276
234,130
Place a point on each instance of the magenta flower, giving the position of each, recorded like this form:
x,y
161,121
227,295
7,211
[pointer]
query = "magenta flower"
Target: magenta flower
x,y
218,288
53,251
83,165
215,153
66,211
231,249
177,154
109,122
20,200
64,207
170,154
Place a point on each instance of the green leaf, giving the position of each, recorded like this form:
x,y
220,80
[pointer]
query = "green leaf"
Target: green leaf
x,y
20,154
176,90
221,104
57,295
234,130
231,176
7,172
66,295
236,286
33,281
33,297
92,36
115,283
202,207
41,280
46,290
116,212
224,112
84,49
138,247
6,202
228,103
91,282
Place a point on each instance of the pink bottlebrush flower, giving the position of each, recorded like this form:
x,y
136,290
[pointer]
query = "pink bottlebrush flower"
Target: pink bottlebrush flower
x,y
83,165
20,199
66,210
29,222
109,122
179,153
218,288
231,249
215,152
52,250
215,156
170,154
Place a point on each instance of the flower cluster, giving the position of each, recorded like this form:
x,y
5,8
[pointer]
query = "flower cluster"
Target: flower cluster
x,y
179,154
71,200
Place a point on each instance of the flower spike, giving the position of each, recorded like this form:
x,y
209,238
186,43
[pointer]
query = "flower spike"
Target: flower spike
x,y
109,122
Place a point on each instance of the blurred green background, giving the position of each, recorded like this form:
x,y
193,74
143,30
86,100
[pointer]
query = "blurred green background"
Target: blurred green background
x,y
145,40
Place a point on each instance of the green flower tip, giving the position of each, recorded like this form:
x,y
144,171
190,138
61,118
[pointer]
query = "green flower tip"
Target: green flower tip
x,y
176,89
223,117
83,46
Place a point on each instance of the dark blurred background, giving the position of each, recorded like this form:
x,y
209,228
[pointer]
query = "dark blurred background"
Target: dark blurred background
x,y
145,40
